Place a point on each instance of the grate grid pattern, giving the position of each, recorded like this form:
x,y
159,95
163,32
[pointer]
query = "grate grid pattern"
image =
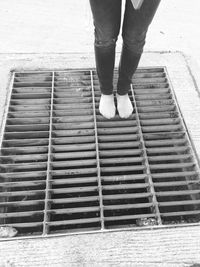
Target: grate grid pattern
x,y
65,168
148,169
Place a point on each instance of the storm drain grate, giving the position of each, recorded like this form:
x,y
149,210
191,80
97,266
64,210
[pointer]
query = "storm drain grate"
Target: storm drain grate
x,y
64,168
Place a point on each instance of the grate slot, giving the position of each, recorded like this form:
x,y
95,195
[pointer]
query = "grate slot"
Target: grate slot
x,y
64,168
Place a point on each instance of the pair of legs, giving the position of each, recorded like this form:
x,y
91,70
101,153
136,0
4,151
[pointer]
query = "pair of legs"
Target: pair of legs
x,y
107,21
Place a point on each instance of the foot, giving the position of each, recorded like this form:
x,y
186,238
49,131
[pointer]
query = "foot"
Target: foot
x,y
124,106
107,106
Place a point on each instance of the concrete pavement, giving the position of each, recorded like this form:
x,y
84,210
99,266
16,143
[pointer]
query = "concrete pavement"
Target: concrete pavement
x,y
59,33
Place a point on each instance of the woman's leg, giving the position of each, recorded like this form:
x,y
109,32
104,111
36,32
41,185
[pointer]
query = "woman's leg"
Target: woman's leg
x,y
107,19
135,26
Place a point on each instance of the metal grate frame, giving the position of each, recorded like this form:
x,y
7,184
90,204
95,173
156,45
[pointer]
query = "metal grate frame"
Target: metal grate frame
x,y
64,168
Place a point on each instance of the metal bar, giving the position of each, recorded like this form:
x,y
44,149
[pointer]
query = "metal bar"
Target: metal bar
x,y
178,193
148,74
157,121
25,135
24,225
49,175
78,119
116,119
23,175
20,214
73,125
179,203
71,94
35,84
126,177
171,166
23,158
73,106
74,222
154,115
73,163
125,186
74,171
116,130
166,142
170,158
121,160
152,96
142,80
129,217
31,120
127,196
149,103
22,183
168,149
31,114
73,101
22,193
5,198
112,124
24,142
122,144
74,113
74,210
78,132
175,174
177,183
73,88
128,206
157,136
73,147
69,181
73,155
119,137
149,85
163,108
27,203
162,128
28,108
80,199
26,166
97,156
146,91
180,213
73,139
35,102
121,152
31,90
28,96
133,168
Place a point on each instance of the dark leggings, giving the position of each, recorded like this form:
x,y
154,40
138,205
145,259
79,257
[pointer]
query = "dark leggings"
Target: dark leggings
x,y
107,20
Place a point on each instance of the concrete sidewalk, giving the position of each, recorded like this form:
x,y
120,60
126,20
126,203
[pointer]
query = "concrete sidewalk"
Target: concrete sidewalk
x,y
59,34
62,26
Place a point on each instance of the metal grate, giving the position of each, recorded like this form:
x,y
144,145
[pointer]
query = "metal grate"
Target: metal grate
x,y
64,168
